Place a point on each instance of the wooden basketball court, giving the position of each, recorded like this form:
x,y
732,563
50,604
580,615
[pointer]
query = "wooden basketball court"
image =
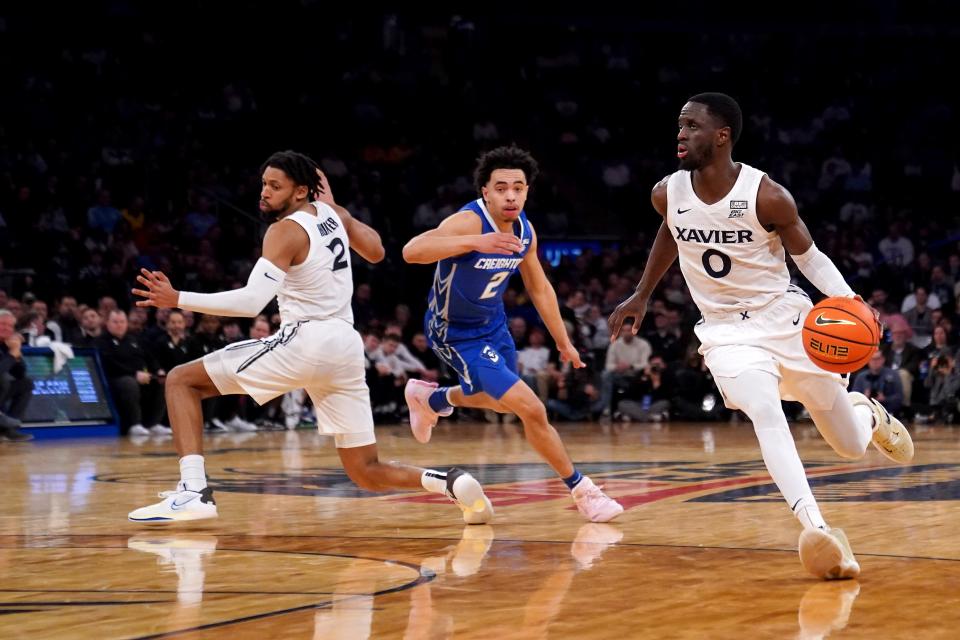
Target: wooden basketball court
x,y
705,549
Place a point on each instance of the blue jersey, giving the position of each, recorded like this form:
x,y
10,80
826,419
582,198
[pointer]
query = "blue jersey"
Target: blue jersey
x,y
466,300
465,322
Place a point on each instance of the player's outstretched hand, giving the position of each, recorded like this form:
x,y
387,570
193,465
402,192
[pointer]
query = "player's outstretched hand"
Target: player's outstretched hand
x,y
633,307
324,193
158,293
569,353
506,244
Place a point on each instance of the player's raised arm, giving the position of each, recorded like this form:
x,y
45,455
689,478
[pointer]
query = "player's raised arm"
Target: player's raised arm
x,y
460,233
545,300
662,255
364,239
282,242
776,208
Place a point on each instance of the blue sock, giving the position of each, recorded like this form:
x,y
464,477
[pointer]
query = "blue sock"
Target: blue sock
x,y
438,400
573,480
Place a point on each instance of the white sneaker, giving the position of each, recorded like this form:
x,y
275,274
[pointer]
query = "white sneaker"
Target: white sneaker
x,y
422,417
591,541
236,423
826,553
138,430
161,430
181,504
890,437
467,493
593,504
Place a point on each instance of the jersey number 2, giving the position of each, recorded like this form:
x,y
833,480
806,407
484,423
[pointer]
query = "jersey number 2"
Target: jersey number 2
x,y
337,248
495,281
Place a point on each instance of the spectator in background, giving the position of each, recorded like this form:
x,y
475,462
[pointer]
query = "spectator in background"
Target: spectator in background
x,y
533,363
32,327
131,372
880,382
199,221
91,326
137,321
941,287
422,352
648,398
904,358
943,382
920,318
696,397
625,362
518,329
896,249
65,327
15,387
363,311
664,338
103,216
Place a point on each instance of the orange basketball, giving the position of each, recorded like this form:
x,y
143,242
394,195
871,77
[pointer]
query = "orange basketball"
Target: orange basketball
x,y
840,334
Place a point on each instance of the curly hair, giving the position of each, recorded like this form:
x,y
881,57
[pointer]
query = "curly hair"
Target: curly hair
x,y
511,157
298,167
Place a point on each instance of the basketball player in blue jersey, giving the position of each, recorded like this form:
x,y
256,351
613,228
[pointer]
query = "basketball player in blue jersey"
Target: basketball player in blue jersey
x,y
731,225
476,250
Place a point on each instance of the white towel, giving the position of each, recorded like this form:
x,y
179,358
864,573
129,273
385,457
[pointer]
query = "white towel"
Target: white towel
x,y
61,351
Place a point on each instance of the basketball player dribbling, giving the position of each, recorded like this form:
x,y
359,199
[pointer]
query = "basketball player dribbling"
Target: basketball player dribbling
x,y
306,265
476,250
730,224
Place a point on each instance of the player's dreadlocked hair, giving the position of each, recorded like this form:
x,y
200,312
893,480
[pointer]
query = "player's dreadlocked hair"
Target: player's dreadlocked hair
x,y
298,167
723,108
511,157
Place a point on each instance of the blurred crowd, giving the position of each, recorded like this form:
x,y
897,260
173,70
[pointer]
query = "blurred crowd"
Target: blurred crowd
x,y
109,163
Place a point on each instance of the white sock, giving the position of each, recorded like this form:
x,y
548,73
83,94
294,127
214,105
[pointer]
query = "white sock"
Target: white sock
x,y
864,416
434,481
192,474
808,513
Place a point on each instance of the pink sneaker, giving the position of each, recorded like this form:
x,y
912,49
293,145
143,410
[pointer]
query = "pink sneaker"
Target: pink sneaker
x,y
593,504
422,417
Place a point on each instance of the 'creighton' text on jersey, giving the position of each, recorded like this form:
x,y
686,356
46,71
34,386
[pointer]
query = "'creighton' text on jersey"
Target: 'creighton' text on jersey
x,y
730,262
466,298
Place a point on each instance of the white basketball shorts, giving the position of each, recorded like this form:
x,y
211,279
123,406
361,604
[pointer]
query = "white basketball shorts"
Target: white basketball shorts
x,y
323,357
769,339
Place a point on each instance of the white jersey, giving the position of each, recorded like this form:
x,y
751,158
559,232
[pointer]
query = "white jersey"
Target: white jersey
x,y
320,287
730,262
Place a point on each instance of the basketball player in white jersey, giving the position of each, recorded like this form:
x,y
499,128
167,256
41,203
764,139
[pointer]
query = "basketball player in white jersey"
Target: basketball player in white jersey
x,y
730,224
306,265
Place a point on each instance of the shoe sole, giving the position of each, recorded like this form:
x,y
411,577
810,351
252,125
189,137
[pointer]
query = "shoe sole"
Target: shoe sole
x,y
476,506
902,454
822,555
904,451
181,518
421,434
607,518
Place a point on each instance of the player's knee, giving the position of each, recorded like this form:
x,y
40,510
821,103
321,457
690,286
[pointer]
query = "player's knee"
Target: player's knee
x,y
532,413
764,412
850,446
176,377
